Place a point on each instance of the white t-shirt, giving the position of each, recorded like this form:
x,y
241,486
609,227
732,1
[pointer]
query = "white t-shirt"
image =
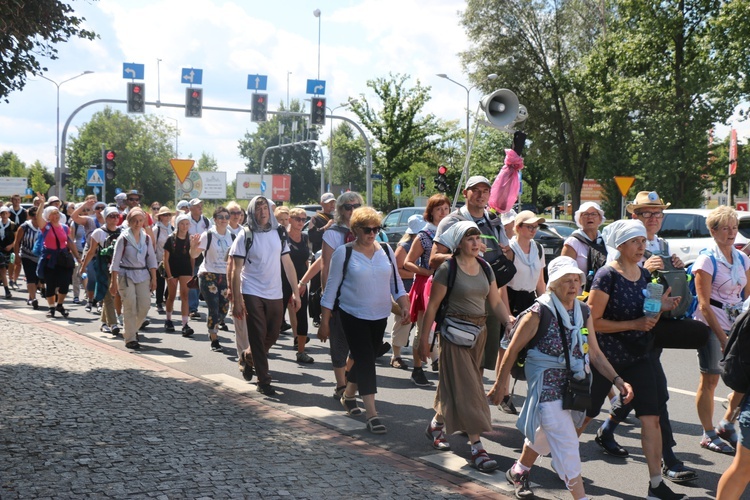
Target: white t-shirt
x,y
723,289
334,238
582,253
100,235
261,272
216,256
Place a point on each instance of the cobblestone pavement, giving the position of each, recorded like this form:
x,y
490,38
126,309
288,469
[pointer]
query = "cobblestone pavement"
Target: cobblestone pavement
x,y
79,418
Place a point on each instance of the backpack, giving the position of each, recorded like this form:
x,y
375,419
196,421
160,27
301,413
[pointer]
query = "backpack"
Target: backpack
x,y
107,249
735,365
670,276
452,271
348,254
249,237
209,236
596,259
38,248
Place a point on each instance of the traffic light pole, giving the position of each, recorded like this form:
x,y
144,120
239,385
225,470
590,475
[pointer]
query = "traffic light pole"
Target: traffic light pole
x,y
300,143
368,149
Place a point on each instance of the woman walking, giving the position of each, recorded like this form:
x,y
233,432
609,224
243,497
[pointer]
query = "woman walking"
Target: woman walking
x,y
26,236
133,274
360,288
162,229
178,266
460,402
299,251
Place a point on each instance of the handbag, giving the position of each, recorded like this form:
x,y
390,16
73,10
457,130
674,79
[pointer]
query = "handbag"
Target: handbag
x,y
193,283
68,261
504,270
576,393
460,332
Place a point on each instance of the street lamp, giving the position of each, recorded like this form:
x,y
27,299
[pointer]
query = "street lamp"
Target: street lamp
x,y
316,13
58,167
468,91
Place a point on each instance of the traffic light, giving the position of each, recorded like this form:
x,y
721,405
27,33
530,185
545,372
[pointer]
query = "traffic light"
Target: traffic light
x,y
193,103
441,182
318,111
136,98
109,164
421,184
259,108
65,178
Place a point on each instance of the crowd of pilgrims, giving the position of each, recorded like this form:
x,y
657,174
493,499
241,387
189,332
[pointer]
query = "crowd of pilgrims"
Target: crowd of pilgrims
x,y
583,324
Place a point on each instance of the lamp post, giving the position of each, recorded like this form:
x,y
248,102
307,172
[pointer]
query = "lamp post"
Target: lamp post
x,y
468,92
316,13
58,167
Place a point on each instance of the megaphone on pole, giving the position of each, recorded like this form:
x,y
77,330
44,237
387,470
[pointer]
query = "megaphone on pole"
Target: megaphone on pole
x,y
501,107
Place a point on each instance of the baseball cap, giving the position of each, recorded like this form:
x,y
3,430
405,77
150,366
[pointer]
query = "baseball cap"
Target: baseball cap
x,y
327,197
477,179
121,197
195,201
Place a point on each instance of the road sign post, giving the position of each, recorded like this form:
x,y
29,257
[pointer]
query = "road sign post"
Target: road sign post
x,y
624,184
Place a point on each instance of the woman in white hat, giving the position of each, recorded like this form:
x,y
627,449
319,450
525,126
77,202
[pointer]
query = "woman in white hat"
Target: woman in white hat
x,y
547,426
586,245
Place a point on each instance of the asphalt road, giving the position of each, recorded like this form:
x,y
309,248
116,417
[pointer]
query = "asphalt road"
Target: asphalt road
x,y
307,390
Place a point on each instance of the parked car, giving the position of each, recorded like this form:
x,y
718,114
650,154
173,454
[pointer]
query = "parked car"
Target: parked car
x,y
686,232
563,227
310,210
396,222
551,240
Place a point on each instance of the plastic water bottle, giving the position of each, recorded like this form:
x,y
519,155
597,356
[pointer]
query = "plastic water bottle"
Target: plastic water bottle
x,y
12,258
84,276
652,304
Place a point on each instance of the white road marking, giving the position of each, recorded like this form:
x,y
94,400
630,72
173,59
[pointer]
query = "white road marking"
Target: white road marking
x,y
693,394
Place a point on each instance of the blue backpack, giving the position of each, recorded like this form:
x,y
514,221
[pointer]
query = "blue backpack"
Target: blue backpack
x,y
691,281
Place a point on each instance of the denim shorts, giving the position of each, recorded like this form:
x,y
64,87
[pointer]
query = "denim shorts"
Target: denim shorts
x,y
709,356
744,422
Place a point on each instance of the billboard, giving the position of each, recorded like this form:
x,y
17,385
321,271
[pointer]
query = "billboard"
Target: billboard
x,y
203,185
277,187
13,185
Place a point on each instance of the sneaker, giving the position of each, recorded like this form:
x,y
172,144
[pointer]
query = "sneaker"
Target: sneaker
x,y
303,357
99,311
662,492
120,318
187,331
520,483
160,309
285,327
223,327
115,329
133,344
435,365
316,323
678,473
384,348
437,436
195,315
168,326
144,324
35,304
105,328
62,310
609,445
8,295
12,285
88,307
266,390
51,313
76,300
419,378
215,346
246,368
507,406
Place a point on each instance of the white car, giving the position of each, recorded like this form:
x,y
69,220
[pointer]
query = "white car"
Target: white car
x,y
685,230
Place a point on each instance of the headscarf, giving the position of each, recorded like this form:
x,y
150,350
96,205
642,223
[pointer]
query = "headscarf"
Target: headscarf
x,y
48,211
128,234
618,233
179,219
453,236
272,222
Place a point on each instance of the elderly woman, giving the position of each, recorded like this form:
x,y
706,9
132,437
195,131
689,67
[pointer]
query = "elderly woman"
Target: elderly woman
x,y
26,236
56,264
721,276
554,316
178,266
361,282
418,262
460,403
528,257
624,336
335,236
133,274
214,244
579,245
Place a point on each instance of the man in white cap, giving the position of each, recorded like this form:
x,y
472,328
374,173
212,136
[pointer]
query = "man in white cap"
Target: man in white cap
x,y
494,241
199,223
121,202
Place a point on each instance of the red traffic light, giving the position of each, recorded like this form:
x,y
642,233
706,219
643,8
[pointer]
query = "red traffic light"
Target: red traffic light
x,y
110,155
136,89
260,100
319,103
195,94
442,170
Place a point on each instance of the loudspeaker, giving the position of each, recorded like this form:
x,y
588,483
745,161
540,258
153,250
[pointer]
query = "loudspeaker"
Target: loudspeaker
x,y
501,107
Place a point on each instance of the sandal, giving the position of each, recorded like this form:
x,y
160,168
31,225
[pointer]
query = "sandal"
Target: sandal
x,y
437,436
350,405
482,462
678,473
375,426
716,445
339,392
399,363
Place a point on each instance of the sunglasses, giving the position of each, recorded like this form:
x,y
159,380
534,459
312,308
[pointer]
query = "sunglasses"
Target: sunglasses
x,y
155,208
99,208
235,213
112,216
222,217
351,206
371,230
134,199
298,219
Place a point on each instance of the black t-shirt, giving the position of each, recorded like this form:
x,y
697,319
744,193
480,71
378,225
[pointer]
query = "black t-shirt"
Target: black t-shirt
x,y
179,256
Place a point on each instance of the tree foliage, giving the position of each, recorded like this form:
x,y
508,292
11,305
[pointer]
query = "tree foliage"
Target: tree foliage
x,y
207,163
347,158
299,161
402,136
143,147
29,31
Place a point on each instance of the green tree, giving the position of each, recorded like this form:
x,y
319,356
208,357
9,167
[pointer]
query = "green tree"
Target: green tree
x,y
347,158
40,179
402,136
298,161
143,146
30,30
11,165
207,163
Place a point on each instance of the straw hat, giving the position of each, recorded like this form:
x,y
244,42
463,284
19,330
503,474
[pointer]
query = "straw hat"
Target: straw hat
x,y
646,199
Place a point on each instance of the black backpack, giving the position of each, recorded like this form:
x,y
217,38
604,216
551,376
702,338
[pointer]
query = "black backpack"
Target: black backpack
x,y
596,259
735,365
249,237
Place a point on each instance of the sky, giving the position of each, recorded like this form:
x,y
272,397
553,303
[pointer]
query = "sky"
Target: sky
x,y
229,40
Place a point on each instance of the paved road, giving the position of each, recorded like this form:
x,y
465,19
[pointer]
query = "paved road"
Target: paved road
x,y
179,419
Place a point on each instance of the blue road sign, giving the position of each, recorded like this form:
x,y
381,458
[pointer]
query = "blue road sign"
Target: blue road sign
x,y
257,82
95,177
397,188
316,87
378,177
80,192
96,190
30,191
192,76
118,190
133,71
262,186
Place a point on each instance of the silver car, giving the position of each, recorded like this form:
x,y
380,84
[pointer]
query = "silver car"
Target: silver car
x,y
685,230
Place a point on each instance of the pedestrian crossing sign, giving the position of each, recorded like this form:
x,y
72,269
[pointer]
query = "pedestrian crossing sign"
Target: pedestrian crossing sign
x,y
94,177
